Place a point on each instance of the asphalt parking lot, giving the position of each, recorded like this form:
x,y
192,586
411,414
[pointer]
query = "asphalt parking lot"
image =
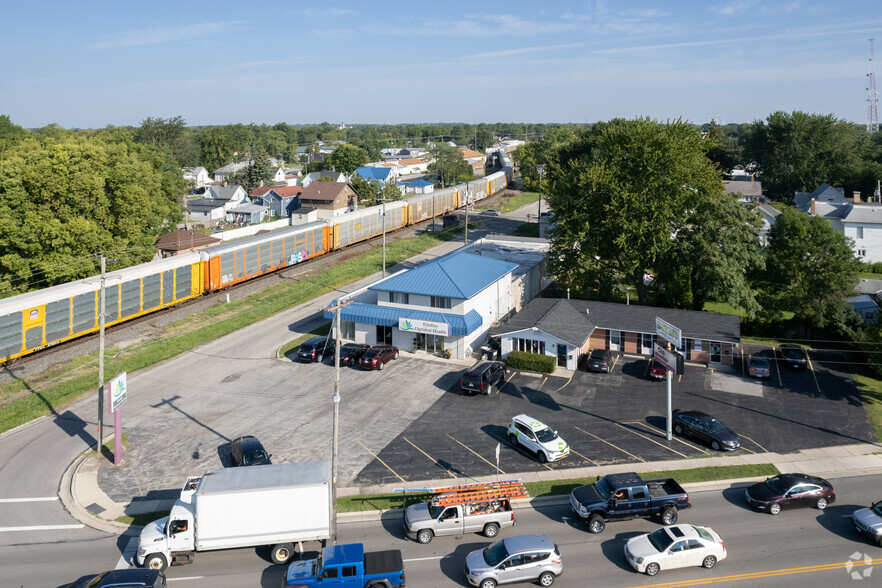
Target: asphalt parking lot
x,y
619,418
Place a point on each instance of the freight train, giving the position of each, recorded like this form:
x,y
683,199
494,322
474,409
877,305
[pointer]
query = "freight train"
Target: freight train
x,y
35,320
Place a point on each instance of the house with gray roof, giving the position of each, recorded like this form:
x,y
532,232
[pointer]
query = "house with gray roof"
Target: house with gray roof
x,y
568,329
770,215
859,221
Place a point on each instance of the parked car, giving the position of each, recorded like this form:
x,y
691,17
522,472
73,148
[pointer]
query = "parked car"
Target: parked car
x,y
657,371
377,357
759,368
600,360
316,348
705,428
529,558
677,546
537,437
126,577
481,377
350,353
493,212
248,451
794,355
790,490
868,522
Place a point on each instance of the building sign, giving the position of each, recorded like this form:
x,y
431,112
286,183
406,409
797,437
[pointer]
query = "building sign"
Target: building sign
x,y
669,332
427,327
672,360
117,390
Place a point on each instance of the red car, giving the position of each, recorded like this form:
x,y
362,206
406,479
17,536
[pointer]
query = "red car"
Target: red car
x,y
657,371
378,356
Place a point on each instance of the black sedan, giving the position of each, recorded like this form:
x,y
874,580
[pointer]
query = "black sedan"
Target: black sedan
x,y
600,360
706,429
790,490
350,353
794,356
248,451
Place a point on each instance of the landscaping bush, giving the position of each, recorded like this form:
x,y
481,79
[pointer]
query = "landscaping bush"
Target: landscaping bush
x,y
533,362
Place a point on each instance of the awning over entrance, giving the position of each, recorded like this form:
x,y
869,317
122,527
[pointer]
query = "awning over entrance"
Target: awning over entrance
x,y
388,316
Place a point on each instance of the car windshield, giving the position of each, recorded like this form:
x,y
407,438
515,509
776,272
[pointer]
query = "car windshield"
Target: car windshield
x,y
793,353
714,425
545,435
254,456
495,553
777,485
759,363
660,539
877,508
602,487
436,511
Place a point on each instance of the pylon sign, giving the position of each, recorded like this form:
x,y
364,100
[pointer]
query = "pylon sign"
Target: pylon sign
x,y
669,332
117,390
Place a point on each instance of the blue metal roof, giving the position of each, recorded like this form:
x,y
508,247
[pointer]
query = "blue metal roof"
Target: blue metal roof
x,y
374,173
459,275
420,183
388,316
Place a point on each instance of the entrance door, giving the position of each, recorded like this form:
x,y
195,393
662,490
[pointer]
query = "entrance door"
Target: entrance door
x,y
384,335
561,355
715,353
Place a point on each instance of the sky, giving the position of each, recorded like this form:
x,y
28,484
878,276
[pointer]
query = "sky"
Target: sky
x,y
95,63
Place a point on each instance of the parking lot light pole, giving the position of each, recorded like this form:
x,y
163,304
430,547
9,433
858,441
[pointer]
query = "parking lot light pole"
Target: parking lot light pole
x,y
540,169
336,419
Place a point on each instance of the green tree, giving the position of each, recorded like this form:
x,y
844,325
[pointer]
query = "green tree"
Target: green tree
x,y
448,164
717,147
260,172
160,131
216,147
810,271
619,192
391,192
10,134
346,158
483,139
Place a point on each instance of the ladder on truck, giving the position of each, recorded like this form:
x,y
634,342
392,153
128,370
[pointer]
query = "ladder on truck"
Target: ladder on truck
x,y
478,492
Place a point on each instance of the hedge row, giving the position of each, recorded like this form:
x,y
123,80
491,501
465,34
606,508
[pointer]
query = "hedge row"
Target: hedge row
x,y
533,362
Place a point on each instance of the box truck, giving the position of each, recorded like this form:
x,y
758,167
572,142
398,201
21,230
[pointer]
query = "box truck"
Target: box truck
x,y
278,505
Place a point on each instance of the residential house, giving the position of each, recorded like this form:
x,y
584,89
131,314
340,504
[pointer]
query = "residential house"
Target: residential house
x,y
332,176
196,177
865,306
217,202
392,165
419,187
329,198
180,242
247,213
412,165
280,201
823,193
770,215
380,174
477,160
859,221
747,190
222,174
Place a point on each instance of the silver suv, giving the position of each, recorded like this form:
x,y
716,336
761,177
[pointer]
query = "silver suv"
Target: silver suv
x,y
515,559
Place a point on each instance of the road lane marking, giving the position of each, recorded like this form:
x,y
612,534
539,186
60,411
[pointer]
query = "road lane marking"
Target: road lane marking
x,y
184,578
41,528
766,574
755,443
426,558
35,499
673,437
611,445
478,454
377,457
126,558
591,461
630,430
437,463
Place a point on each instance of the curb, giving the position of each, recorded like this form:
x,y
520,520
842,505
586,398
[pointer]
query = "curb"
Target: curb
x,y
68,496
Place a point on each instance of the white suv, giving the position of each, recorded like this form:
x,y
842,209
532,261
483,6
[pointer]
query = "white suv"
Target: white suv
x,y
538,438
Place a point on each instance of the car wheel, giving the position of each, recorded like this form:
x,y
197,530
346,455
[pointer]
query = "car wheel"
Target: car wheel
x,y
488,583
155,561
596,524
424,536
715,445
822,503
678,429
513,440
775,508
489,390
542,457
491,530
382,365
546,579
282,553
652,569
669,516
395,356
709,562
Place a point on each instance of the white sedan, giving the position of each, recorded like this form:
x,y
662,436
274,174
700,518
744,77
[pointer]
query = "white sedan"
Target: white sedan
x,y
676,546
492,212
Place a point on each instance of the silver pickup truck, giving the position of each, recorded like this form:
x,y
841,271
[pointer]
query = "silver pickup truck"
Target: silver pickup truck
x,y
423,521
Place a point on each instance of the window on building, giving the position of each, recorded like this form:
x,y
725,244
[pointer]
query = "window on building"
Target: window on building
x,y
862,252
399,297
347,330
529,345
441,302
860,232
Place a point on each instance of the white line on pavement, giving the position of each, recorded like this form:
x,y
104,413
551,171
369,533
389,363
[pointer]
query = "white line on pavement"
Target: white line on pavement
x,y
425,558
185,578
126,559
38,499
41,528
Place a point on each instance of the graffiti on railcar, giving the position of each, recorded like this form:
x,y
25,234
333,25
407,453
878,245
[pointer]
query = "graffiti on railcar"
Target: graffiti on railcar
x,y
298,257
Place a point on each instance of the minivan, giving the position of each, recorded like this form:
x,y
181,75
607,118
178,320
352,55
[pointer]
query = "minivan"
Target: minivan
x,y
316,348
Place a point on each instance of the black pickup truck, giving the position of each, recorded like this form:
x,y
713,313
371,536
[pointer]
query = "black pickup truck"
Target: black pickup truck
x,y
627,496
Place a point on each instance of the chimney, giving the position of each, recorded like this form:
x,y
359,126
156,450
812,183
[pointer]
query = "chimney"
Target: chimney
x,y
856,196
813,207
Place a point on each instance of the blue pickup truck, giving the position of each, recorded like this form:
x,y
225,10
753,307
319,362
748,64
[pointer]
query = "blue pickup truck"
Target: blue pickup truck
x,y
348,565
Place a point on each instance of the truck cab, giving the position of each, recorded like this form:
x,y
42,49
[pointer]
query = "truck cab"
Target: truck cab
x,y
348,566
171,540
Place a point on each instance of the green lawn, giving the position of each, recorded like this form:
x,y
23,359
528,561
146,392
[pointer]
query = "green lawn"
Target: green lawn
x,y
871,390
522,199
289,350
527,230
722,308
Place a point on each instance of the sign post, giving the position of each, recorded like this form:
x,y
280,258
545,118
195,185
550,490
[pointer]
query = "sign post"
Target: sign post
x,y
117,396
674,336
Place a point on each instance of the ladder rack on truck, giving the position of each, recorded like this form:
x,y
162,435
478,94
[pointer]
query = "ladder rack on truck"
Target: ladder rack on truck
x,y
479,492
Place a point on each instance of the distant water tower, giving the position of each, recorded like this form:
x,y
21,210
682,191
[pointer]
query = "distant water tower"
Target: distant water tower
x,y
872,96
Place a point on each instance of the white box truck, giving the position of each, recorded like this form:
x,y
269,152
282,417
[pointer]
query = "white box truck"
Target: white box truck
x,y
277,505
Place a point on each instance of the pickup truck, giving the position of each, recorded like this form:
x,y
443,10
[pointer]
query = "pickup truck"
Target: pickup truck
x,y
348,565
424,520
627,496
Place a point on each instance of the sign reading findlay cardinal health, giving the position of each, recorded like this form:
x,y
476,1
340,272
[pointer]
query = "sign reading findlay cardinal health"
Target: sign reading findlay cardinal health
x,y
427,327
117,391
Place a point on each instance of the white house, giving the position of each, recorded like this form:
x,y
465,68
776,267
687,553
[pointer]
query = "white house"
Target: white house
x,y
196,177
865,307
223,173
338,177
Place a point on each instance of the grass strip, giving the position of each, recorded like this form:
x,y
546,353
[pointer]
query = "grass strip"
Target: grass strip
x,y
871,392
142,519
562,487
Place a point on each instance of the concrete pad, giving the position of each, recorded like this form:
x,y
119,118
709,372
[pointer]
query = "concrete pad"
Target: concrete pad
x,y
723,381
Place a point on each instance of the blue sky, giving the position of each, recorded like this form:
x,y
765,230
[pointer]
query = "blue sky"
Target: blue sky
x,y
91,63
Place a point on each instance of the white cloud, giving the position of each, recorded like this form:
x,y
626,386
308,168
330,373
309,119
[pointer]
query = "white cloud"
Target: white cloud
x,y
165,35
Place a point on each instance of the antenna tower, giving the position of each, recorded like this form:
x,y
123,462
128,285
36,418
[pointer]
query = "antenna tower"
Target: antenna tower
x,y
872,96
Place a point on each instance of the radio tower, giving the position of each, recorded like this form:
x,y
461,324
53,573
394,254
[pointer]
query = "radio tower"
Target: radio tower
x,y
872,97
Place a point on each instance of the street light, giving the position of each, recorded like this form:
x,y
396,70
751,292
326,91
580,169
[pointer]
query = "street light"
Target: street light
x,y
540,169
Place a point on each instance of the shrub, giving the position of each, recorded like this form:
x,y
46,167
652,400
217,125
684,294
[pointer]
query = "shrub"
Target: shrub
x,y
533,362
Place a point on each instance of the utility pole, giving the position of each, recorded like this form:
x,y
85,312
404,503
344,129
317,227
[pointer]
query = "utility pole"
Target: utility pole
x,y
384,236
101,358
540,169
466,240
336,419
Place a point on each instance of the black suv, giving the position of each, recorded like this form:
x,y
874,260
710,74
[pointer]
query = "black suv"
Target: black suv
x,y
316,348
794,355
600,360
248,451
481,377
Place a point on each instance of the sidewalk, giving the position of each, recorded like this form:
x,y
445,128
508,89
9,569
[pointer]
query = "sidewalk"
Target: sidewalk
x,y
84,499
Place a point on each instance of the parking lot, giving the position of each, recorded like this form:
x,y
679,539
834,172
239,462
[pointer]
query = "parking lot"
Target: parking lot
x,y
619,418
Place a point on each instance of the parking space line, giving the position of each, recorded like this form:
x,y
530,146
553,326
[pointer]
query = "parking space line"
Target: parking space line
x,y
615,361
478,454
674,437
611,445
754,442
506,382
812,368
591,461
542,383
437,463
377,457
630,430
776,350
570,379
